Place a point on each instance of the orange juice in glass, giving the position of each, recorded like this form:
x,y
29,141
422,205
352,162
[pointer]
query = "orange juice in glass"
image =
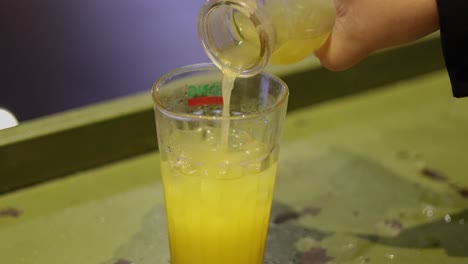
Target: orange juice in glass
x,y
218,171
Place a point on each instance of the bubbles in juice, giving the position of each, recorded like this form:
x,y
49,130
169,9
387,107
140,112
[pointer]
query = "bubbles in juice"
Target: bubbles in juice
x,y
217,200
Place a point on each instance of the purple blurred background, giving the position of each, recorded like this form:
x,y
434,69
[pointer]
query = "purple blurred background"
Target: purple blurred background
x,y
56,54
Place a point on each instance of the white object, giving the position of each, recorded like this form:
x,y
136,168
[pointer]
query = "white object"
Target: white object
x,y
7,119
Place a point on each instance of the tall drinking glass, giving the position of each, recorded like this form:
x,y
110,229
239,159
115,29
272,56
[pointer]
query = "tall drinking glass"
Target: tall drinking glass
x,y
218,172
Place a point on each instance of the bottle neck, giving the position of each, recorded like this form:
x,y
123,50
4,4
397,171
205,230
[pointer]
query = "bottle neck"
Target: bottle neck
x,y
236,35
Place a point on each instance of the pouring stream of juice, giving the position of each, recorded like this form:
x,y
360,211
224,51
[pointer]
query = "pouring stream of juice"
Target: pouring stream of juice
x,y
304,33
227,86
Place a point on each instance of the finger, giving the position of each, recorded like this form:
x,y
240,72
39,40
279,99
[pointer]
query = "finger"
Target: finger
x,y
341,52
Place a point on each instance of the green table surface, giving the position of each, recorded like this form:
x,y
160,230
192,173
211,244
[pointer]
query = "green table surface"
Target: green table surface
x,y
376,177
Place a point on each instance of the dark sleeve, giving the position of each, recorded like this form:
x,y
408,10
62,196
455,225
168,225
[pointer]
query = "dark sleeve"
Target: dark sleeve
x,y
453,20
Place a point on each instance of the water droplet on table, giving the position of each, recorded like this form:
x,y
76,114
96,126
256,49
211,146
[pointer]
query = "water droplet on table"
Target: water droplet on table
x,y
448,218
390,256
428,210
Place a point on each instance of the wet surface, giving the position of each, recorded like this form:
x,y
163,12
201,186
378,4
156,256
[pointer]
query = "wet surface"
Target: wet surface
x,y
345,193
314,255
434,174
448,233
283,238
442,178
359,197
463,192
123,261
394,224
10,212
285,216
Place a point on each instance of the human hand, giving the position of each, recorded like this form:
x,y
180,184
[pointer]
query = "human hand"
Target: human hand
x,y
365,26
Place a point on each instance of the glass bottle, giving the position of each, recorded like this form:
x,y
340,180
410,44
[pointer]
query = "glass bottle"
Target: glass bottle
x,y
242,36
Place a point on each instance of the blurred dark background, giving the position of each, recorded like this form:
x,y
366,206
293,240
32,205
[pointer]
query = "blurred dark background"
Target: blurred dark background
x,y
57,55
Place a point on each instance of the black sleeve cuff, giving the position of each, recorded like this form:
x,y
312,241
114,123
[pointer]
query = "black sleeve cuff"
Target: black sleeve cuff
x,y
453,20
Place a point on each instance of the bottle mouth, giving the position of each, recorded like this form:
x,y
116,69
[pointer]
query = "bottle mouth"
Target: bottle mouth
x,y
235,37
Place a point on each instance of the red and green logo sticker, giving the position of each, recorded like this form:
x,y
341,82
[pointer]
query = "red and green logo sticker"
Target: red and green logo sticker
x,y
204,94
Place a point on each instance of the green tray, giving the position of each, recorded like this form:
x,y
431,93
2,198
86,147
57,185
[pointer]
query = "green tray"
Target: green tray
x,y
372,170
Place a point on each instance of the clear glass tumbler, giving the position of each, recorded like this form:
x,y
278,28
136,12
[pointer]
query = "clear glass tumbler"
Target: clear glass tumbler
x,y
218,172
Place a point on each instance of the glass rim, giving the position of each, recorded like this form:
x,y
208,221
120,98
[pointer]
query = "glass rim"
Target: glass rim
x,y
161,81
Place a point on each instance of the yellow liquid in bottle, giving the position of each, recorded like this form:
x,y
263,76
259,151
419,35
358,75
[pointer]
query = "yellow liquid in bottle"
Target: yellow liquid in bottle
x,y
298,36
304,31
297,49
